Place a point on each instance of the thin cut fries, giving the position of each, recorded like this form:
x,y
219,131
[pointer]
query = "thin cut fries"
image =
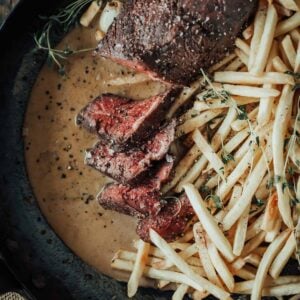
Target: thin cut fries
x,y
289,4
242,45
183,266
208,222
265,264
180,292
139,265
259,23
200,239
261,57
283,257
250,91
247,78
282,119
289,50
288,24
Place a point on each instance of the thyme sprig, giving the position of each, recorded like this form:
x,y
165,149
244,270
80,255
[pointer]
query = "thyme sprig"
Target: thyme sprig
x,y
55,27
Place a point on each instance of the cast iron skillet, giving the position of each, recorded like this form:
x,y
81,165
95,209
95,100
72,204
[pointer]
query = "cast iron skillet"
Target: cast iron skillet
x,y
36,256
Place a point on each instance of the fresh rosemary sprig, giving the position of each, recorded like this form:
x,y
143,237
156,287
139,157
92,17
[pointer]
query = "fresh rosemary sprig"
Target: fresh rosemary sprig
x,y
56,26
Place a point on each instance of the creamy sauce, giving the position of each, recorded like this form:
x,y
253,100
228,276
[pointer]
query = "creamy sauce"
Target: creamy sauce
x,y
64,187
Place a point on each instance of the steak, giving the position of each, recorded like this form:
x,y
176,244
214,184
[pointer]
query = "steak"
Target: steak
x,y
172,40
139,201
129,167
124,122
170,222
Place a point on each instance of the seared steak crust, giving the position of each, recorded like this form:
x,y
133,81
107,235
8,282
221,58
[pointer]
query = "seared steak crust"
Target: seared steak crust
x,y
173,39
171,221
129,167
139,201
123,122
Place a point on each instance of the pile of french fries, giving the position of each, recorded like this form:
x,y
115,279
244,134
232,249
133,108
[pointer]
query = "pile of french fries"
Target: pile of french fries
x,y
241,172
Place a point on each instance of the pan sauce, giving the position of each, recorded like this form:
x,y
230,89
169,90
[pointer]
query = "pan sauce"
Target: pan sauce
x,y
64,187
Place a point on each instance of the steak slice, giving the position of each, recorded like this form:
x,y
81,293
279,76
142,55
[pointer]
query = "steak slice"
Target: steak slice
x,y
139,201
173,39
171,221
121,121
129,167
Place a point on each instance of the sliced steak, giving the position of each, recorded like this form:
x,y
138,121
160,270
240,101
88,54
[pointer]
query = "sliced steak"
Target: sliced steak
x,y
129,167
139,201
123,122
173,39
171,221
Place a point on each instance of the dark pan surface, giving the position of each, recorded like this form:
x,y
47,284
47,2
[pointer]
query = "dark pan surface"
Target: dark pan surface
x,y
38,258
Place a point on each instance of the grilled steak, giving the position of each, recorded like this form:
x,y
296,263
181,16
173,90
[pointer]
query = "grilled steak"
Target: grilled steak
x,y
129,167
171,221
138,201
124,122
173,39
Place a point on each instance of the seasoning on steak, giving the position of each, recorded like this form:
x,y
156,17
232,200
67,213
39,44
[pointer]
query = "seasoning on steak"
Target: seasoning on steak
x,y
173,39
139,201
171,221
123,122
129,167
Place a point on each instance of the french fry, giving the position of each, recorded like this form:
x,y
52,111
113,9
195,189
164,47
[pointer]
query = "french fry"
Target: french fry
x,y
220,266
182,167
279,65
208,222
282,290
244,286
266,104
289,4
288,24
200,240
253,243
90,13
283,257
258,65
282,11
253,259
184,96
209,153
199,295
250,91
265,264
165,275
254,228
240,233
242,45
260,251
194,123
271,235
236,193
180,292
139,265
238,125
219,103
271,213
253,182
248,32
234,65
109,13
244,274
185,269
216,142
247,78
244,58
188,252
282,118
236,174
295,35
128,79
259,23
289,50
